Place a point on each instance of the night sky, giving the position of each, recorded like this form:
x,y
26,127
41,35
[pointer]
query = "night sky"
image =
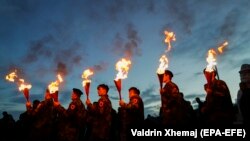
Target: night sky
x,y
42,38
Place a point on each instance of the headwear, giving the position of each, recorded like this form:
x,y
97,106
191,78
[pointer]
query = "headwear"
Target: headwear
x,y
168,72
77,91
244,68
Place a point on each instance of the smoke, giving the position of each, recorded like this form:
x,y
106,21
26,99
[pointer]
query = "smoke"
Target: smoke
x,y
47,48
181,12
62,68
100,67
130,48
229,25
39,48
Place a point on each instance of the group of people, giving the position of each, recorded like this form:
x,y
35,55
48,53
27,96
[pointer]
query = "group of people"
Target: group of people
x,y
98,121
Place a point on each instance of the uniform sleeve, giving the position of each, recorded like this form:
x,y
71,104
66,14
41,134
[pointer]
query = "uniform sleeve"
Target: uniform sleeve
x,y
133,104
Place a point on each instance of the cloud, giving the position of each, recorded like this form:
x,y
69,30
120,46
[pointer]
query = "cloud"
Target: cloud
x,y
39,48
114,97
102,66
128,47
181,12
192,97
150,96
46,49
228,28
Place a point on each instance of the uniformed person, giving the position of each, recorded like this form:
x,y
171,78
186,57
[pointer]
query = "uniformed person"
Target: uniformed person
x,y
72,122
44,119
131,114
171,101
218,107
100,116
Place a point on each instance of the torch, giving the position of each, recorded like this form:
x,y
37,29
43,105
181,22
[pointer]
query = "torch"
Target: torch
x,y
13,77
220,49
122,66
25,89
118,84
211,60
161,69
86,81
54,87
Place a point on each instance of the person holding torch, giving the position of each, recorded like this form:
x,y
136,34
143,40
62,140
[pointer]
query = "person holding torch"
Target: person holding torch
x,y
100,116
72,123
218,107
131,114
170,98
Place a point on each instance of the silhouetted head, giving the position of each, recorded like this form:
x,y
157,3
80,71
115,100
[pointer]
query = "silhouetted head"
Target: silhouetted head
x,y
135,90
5,113
35,103
104,86
167,76
168,72
78,92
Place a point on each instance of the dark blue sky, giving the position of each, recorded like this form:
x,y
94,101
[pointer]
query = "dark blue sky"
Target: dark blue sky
x,y
43,37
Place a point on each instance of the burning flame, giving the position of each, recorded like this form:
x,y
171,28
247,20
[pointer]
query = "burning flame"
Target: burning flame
x,y
170,36
222,47
163,64
23,85
85,76
211,60
122,66
11,77
54,86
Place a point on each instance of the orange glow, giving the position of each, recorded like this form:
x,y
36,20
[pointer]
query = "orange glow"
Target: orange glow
x,y
222,47
163,64
122,66
54,86
85,75
211,60
11,77
170,36
23,85
59,77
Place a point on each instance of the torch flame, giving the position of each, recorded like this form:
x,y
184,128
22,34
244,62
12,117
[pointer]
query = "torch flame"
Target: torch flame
x,y
23,85
122,66
163,64
59,77
11,77
211,60
87,73
170,36
222,47
54,86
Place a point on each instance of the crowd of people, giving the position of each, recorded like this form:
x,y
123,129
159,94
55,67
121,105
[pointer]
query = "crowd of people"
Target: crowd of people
x,y
48,120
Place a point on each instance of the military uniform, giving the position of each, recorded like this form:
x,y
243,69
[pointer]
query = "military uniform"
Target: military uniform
x,y
131,115
170,98
218,107
72,121
100,119
44,121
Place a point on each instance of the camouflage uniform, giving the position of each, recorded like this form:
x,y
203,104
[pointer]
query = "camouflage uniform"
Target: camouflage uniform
x,y
100,119
170,99
72,121
218,107
131,115
44,119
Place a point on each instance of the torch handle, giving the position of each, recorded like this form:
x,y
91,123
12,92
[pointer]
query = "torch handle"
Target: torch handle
x,y
120,96
217,72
